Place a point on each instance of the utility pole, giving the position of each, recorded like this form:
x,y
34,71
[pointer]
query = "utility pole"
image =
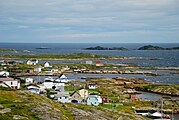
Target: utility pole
x,y
172,111
162,109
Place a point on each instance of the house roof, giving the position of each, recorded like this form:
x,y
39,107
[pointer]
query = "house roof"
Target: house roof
x,y
76,92
60,75
61,94
91,84
7,79
32,85
93,96
34,60
1,82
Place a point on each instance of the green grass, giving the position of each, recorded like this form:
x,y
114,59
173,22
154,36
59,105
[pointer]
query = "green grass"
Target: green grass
x,y
58,56
10,50
22,103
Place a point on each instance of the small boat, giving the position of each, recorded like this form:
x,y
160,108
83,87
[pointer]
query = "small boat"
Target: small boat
x,y
83,77
42,48
153,114
145,112
158,116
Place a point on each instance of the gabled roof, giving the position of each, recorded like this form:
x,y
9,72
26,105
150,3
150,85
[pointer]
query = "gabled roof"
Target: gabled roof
x,y
1,82
76,92
60,75
93,96
63,94
34,60
7,79
91,84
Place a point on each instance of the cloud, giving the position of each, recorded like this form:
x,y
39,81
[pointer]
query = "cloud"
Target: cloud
x,y
88,18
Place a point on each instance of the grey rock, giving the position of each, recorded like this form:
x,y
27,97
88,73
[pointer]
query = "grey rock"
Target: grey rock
x,y
5,110
18,117
1,107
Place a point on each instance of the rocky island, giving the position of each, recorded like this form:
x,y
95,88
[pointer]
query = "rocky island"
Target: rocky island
x,y
150,47
105,48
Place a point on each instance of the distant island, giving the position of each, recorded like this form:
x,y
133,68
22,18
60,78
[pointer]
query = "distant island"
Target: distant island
x,y
150,47
105,48
147,47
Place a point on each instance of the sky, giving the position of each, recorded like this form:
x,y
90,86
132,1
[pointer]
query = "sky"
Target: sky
x,y
89,21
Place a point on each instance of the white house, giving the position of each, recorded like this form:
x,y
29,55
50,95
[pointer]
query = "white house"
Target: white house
x,y
92,86
38,69
63,97
99,98
2,62
11,82
54,70
29,80
89,62
4,73
50,83
47,64
94,100
33,89
32,62
29,62
62,78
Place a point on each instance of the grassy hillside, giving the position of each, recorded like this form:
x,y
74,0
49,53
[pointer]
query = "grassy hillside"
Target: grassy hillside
x,y
24,105
30,106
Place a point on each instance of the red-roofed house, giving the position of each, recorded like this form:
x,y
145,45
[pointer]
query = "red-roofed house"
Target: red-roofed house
x,y
98,63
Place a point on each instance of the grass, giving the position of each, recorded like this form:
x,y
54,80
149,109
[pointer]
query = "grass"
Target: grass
x,y
173,88
18,106
22,104
10,50
58,56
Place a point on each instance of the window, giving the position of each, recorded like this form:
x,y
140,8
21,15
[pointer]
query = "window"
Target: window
x,y
11,83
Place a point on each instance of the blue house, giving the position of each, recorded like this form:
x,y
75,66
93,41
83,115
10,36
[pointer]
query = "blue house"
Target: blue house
x,y
93,100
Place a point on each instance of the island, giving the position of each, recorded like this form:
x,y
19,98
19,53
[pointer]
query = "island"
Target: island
x,y
151,47
105,48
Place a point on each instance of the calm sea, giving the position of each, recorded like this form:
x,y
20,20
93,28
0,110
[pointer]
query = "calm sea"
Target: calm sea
x,y
167,57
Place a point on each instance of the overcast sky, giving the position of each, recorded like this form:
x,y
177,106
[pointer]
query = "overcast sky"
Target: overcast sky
x,y
88,21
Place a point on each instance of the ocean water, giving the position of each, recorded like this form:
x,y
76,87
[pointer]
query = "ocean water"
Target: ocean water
x,y
167,57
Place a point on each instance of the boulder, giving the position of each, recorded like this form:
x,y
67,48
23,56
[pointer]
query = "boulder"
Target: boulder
x,y
5,110
18,117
